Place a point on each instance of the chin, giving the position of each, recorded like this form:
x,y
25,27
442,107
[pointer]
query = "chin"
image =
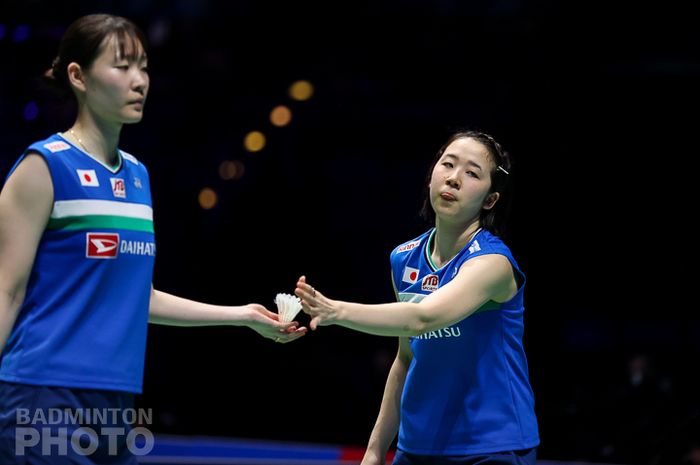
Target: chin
x,y
131,119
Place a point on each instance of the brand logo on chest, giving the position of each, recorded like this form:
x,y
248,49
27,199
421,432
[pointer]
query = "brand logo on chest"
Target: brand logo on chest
x,y
109,245
430,283
101,245
118,187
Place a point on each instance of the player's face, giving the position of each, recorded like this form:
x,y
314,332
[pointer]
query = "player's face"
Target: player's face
x,y
460,182
116,85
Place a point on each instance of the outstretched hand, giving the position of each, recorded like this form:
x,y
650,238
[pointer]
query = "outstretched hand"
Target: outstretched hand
x,y
322,310
267,324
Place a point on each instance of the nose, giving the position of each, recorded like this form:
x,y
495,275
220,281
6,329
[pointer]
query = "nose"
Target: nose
x,y
452,179
140,82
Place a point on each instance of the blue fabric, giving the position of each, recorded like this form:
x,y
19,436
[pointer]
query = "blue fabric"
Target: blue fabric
x,y
521,457
83,322
467,389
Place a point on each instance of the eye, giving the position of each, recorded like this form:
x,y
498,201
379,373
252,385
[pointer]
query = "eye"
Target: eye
x,y
472,174
447,164
122,67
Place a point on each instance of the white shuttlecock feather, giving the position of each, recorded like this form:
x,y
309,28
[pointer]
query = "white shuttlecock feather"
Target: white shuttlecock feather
x,y
287,307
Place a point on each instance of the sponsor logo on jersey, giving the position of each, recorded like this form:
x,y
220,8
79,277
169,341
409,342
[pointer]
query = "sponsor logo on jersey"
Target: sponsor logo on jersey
x,y
118,187
88,178
410,275
430,283
128,156
108,245
474,247
452,331
137,183
101,245
57,146
407,247
138,248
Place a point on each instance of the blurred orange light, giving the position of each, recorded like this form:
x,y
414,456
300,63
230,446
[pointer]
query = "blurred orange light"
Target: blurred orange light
x,y
207,198
254,141
301,90
231,169
280,116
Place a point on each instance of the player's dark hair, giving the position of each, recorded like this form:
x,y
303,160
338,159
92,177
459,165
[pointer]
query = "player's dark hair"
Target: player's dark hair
x,y
82,42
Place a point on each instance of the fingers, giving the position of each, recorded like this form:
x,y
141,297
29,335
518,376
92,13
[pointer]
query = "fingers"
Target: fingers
x,y
305,286
270,314
302,284
264,311
315,322
285,327
284,338
305,292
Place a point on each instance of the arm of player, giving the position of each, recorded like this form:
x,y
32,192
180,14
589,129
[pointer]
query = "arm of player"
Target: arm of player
x,y
484,278
25,206
387,425
168,309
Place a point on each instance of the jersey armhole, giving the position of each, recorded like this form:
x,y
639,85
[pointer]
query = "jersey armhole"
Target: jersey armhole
x,y
23,157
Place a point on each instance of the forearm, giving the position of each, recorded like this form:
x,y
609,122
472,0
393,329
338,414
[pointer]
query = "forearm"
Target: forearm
x,y
9,306
387,424
167,309
393,319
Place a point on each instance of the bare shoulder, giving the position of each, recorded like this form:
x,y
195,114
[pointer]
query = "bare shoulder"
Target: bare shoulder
x,y
31,178
492,261
497,271
28,190
26,201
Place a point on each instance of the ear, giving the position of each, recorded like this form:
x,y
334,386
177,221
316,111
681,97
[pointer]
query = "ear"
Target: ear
x,y
491,200
76,77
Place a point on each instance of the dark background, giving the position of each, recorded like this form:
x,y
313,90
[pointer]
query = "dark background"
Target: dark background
x,y
596,102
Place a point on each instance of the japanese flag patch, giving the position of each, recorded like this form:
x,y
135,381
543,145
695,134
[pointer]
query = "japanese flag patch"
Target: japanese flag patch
x,y
410,275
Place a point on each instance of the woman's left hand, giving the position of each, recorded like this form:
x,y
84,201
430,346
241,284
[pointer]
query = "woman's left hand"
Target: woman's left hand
x,y
323,311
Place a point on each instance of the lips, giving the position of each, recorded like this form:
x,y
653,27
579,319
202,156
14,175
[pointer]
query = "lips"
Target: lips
x,y
448,196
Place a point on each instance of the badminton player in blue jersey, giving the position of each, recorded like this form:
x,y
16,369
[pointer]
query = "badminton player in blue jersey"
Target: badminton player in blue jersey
x,y
458,391
77,249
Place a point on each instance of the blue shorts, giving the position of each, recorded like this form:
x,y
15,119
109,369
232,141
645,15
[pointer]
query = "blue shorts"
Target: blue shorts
x,y
38,426
518,457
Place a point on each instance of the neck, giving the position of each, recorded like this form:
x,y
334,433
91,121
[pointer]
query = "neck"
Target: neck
x,y
97,137
449,239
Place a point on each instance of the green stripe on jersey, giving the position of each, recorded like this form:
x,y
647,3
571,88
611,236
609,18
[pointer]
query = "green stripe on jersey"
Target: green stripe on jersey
x,y
72,223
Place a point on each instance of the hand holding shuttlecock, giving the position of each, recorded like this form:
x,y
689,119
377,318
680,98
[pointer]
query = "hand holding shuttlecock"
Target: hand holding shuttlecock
x,y
288,306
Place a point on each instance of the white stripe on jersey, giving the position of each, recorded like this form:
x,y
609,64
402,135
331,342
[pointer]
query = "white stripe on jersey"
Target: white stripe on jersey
x,y
70,208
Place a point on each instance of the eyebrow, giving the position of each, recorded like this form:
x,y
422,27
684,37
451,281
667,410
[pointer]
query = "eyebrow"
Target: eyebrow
x,y
469,162
131,58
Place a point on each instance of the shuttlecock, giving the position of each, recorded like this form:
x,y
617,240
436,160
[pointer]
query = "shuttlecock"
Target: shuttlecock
x,y
287,307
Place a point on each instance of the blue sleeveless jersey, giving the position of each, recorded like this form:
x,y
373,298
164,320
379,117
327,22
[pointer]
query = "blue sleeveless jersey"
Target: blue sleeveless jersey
x,y
84,318
467,389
